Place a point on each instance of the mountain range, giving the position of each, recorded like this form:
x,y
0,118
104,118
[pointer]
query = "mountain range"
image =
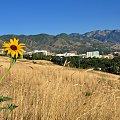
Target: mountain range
x,y
105,41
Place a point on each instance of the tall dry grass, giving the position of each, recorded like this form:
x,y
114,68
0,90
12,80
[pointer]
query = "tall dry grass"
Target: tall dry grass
x,y
50,92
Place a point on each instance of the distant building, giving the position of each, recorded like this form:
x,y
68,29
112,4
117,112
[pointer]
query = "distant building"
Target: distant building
x,y
109,56
92,54
116,54
60,55
70,54
83,55
75,52
49,53
44,52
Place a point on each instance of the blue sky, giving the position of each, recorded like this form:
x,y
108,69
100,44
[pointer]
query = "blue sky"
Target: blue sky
x,y
58,16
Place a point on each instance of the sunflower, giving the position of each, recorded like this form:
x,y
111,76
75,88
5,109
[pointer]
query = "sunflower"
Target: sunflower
x,y
13,48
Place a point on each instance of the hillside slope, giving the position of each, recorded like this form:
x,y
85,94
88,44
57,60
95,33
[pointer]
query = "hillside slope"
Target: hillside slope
x,y
110,36
44,91
104,41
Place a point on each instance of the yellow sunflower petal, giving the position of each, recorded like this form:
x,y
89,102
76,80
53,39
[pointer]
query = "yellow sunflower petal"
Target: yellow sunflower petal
x,y
16,41
9,51
16,54
14,48
11,41
19,47
22,45
13,53
6,45
22,50
20,53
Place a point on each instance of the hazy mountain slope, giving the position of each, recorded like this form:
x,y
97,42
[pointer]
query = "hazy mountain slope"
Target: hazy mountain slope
x,y
105,41
105,35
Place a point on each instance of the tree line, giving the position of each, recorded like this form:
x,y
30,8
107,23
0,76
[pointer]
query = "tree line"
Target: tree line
x,y
102,64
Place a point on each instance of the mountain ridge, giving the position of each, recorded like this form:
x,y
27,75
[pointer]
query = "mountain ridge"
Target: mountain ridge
x,y
102,40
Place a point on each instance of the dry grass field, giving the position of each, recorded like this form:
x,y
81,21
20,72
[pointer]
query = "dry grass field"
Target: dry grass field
x,y
44,91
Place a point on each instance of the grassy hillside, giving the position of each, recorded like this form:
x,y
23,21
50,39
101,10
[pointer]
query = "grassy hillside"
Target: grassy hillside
x,y
44,91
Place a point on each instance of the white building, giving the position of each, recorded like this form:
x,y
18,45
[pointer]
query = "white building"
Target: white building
x,y
93,54
60,55
109,56
66,54
44,52
40,51
69,54
82,55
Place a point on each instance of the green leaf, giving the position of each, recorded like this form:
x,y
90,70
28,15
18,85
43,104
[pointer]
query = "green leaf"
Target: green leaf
x,y
11,107
2,99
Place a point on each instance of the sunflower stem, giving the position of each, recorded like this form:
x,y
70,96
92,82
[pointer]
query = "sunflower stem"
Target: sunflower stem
x,y
12,61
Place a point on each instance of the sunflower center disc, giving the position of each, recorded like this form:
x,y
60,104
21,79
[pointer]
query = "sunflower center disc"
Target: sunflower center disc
x,y
13,47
